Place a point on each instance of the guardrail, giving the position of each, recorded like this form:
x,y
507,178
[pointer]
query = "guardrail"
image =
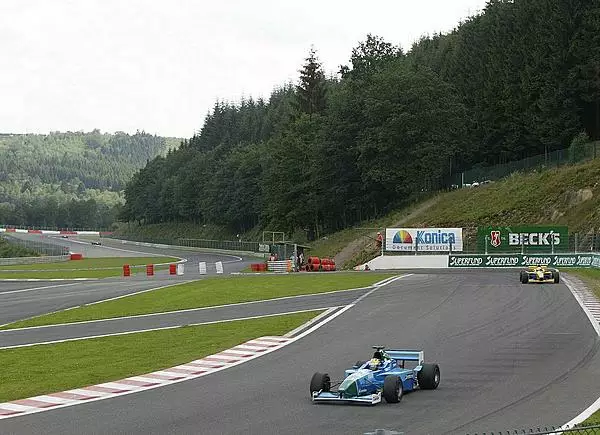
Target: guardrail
x,y
38,246
33,260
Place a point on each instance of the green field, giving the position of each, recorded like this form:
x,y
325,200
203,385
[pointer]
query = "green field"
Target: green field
x,y
86,268
209,292
31,371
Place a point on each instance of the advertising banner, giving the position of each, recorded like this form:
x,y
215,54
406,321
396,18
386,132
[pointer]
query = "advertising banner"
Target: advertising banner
x,y
424,239
521,239
524,260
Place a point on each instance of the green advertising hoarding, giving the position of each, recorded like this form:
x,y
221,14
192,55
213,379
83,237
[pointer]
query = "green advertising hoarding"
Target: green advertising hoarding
x,y
523,239
524,260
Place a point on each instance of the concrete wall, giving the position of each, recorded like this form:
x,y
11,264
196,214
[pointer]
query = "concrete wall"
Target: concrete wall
x,y
409,262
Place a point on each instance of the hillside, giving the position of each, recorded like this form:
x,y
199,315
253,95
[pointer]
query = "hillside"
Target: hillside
x,y
70,179
569,195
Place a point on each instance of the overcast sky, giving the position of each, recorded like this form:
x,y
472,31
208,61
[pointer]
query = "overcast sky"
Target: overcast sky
x,y
160,65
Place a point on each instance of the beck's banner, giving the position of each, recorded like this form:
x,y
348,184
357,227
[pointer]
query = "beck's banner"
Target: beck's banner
x,y
424,239
523,260
520,239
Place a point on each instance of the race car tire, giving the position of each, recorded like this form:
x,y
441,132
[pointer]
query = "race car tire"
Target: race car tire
x,y
429,376
392,389
524,277
320,382
556,276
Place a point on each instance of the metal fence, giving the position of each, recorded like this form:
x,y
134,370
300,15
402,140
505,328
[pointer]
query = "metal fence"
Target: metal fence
x,y
228,245
576,430
283,249
42,248
575,154
33,260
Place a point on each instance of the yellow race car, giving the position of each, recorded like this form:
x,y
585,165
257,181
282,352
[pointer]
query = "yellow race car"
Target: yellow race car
x,y
540,274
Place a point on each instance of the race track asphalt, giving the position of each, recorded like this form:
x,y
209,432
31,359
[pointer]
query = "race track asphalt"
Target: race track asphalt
x,y
21,299
19,337
512,356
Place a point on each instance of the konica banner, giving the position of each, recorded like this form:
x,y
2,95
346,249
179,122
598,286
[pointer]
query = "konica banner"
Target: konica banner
x,y
424,239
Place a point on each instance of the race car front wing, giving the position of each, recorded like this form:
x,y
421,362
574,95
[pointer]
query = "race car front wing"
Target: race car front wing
x,y
328,396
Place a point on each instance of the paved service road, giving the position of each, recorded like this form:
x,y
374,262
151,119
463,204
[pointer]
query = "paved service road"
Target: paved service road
x,y
180,318
511,356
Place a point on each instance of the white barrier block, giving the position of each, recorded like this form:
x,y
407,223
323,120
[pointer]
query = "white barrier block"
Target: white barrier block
x,y
202,268
219,266
180,269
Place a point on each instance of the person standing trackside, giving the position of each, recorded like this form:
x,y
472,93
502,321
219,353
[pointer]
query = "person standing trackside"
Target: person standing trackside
x,y
379,240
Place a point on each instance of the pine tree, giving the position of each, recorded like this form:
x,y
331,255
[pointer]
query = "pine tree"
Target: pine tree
x,y
311,89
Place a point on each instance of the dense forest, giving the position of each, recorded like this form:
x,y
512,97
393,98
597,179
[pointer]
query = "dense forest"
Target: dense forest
x,y
72,179
519,79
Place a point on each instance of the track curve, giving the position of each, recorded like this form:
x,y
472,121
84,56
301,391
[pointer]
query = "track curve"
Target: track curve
x,y
512,356
22,299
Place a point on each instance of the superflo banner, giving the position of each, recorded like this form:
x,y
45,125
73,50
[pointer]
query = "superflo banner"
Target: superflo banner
x,y
523,238
424,239
521,260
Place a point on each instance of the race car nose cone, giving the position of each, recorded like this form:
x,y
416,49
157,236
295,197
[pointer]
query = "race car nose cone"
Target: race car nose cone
x,y
349,390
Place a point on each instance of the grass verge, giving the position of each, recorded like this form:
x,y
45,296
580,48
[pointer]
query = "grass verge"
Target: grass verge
x,y
208,292
86,268
593,419
591,278
43,369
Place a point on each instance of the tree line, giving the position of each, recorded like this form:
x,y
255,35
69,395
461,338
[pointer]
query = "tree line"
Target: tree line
x,y
520,78
72,179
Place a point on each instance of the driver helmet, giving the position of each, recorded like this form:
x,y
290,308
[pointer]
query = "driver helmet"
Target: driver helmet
x,y
374,363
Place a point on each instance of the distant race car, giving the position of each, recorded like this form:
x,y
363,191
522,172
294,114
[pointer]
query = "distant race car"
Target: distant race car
x,y
384,376
96,242
540,274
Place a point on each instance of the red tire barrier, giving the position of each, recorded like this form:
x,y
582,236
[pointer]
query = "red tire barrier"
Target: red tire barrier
x,y
150,269
126,270
76,256
172,269
328,264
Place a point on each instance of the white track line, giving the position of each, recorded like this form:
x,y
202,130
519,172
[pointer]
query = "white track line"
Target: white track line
x,y
159,329
589,297
173,312
590,301
37,288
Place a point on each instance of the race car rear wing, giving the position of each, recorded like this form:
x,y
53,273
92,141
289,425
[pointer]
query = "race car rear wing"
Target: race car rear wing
x,y
406,355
